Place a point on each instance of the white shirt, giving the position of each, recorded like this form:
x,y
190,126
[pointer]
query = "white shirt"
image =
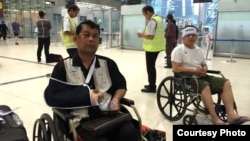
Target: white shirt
x,y
188,57
66,24
151,27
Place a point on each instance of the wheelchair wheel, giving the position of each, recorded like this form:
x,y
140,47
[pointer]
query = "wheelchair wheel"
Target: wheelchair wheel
x,y
190,120
39,131
50,127
172,98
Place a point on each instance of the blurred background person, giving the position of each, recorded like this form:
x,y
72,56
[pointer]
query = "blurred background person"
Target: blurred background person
x,y
170,35
43,33
16,28
69,30
3,30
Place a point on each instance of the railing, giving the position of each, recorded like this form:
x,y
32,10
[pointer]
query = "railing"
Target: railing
x,y
232,51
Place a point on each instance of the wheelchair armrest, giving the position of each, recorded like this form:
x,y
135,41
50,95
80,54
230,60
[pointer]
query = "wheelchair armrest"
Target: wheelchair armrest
x,y
213,71
63,113
127,102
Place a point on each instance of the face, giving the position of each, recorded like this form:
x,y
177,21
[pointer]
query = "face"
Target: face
x,y
146,14
73,13
87,40
189,40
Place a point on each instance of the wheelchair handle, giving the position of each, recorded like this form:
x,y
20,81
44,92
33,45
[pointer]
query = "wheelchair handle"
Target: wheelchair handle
x,y
127,102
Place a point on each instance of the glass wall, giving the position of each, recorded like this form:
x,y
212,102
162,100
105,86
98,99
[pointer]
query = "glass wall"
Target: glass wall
x,y
233,25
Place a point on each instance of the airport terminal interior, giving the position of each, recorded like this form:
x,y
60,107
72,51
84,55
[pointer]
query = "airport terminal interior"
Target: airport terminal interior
x,y
23,79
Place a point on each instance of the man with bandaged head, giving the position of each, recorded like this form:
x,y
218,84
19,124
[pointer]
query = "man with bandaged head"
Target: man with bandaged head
x,y
189,58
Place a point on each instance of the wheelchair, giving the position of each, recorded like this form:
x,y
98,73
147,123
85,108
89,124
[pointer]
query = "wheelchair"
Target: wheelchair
x,y
175,97
58,127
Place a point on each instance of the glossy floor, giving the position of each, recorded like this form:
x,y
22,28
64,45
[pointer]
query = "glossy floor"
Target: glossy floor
x,y
22,81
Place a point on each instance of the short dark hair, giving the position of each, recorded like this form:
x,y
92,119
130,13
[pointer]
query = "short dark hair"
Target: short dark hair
x,y
170,16
73,7
89,23
41,14
148,8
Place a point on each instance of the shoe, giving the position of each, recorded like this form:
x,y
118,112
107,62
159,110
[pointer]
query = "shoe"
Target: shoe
x,y
39,60
239,121
168,67
16,43
146,86
148,90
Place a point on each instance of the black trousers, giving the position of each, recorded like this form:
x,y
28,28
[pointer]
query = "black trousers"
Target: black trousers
x,y
4,34
43,43
150,63
125,132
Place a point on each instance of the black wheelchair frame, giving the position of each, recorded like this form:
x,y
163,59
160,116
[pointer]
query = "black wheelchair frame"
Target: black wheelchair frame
x,y
47,128
174,97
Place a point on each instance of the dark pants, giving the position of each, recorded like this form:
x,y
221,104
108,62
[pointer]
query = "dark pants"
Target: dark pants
x,y
150,62
43,42
71,52
169,49
125,132
4,34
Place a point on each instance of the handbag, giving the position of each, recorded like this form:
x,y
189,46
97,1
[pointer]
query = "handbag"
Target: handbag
x,y
104,123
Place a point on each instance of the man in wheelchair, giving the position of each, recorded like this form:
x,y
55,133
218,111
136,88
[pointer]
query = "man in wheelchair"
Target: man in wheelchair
x,y
88,80
189,58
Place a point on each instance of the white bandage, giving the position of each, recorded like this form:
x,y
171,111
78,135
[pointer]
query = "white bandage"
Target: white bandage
x,y
189,30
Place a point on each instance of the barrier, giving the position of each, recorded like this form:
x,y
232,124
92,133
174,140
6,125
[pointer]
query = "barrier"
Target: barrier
x,y
110,40
232,47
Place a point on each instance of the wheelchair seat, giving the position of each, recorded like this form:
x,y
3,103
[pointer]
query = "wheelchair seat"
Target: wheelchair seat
x,y
175,95
62,127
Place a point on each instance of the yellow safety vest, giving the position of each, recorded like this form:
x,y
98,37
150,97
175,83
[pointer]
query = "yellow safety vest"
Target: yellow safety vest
x,y
158,43
68,39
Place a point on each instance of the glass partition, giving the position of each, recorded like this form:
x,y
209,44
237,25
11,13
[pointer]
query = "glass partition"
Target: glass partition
x,y
233,25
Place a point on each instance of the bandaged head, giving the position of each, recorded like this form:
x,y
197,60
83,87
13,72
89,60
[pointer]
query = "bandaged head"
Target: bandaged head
x,y
189,30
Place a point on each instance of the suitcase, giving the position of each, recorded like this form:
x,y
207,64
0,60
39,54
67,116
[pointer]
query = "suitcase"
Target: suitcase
x,y
54,58
11,126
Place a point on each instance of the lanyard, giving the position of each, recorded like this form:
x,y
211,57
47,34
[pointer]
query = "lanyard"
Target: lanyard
x,y
91,70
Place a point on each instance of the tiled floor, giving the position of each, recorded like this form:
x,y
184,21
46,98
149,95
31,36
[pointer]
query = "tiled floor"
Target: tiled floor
x,y
22,81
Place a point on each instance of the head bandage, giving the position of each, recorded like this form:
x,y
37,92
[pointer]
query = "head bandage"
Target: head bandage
x,y
189,30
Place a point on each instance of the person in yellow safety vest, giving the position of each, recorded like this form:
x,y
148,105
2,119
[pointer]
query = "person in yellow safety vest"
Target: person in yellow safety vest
x,y
153,43
69,29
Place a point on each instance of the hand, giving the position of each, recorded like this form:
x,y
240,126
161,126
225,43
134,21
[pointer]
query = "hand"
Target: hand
x,y
114,104
96,97
139,35
200,71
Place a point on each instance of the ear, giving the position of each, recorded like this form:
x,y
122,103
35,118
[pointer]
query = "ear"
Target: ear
x,y
75,38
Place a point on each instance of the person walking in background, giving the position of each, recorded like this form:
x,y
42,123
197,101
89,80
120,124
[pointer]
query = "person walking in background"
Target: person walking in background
x,y
3,30
153,43
170,35
69,29
16,27
43,29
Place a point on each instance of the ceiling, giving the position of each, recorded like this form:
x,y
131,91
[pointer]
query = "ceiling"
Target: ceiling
x,y
27,5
